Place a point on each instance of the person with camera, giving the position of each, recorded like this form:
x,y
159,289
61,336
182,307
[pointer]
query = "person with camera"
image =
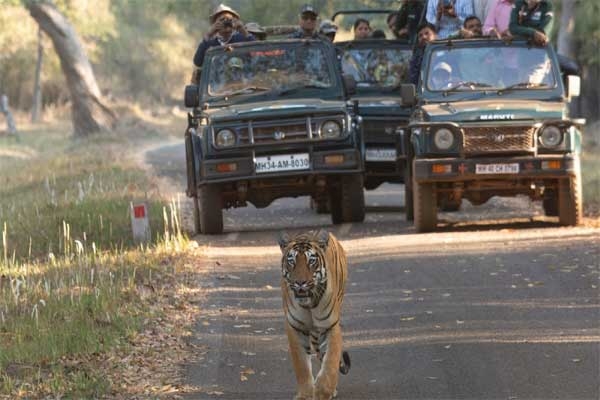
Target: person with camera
x,y
226,28
448,15
532,19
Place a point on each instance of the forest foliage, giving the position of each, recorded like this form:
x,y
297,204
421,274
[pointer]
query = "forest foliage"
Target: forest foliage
x,y
142,50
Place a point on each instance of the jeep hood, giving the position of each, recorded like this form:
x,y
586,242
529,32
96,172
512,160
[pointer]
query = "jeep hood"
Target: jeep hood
x,y
493,110
275,109
379,105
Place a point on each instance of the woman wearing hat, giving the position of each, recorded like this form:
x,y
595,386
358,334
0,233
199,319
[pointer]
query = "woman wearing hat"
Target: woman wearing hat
x,y
226,28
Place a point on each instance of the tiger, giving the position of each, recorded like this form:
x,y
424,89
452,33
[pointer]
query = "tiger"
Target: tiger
x,y
314,270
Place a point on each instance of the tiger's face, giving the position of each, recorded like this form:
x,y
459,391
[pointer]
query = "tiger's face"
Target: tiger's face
x,y
303,269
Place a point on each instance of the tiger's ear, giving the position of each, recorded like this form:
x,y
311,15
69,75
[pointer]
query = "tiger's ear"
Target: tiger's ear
x,y
323,238
283,240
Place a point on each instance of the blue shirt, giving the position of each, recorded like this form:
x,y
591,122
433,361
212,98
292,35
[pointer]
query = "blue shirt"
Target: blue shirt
x,y
236,37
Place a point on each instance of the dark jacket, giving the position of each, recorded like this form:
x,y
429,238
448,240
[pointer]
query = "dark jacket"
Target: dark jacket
x,y
414,68
409,17
236,37
524,22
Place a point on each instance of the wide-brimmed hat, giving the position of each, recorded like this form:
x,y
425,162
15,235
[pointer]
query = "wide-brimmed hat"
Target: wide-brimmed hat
x,y
254,27
222,8
443,66
309,9
235,62
327,26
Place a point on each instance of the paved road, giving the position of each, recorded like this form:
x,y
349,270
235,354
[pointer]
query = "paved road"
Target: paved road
x,y
500,304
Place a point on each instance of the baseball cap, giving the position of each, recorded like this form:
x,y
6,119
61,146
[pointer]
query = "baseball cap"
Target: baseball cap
x,y
308,8
327,26
222,8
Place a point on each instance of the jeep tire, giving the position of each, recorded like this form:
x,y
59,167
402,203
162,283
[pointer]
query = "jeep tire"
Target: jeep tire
x,y
425,206
211,211
550,203
320,205
348,200
570,208
197,222
409,208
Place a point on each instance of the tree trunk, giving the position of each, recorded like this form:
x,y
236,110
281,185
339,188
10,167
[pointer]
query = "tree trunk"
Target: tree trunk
x,y
10,121
566,37
37,86
88,111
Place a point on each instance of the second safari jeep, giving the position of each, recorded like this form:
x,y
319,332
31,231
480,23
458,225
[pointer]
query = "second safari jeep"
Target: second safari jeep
x,y
270,120
379,67
492,120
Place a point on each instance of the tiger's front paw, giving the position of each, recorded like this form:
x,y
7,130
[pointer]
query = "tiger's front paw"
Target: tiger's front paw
x,y
305,393
325,392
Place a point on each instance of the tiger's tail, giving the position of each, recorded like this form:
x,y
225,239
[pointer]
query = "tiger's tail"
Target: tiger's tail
x,y
345,363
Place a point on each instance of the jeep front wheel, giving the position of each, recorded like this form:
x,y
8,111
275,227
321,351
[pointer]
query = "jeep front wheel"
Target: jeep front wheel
x,y
348,201
570,208
425,206
211,211
197,222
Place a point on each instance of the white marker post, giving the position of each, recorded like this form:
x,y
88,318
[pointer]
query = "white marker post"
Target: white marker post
x,y
140,225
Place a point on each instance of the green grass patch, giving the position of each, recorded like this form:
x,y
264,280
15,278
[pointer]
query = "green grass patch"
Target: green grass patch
x,y
70,272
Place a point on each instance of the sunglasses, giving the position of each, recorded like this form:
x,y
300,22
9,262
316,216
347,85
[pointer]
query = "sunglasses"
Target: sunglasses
x,y
307,17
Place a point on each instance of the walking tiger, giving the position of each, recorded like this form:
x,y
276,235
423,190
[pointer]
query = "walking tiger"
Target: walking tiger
x,y
314,271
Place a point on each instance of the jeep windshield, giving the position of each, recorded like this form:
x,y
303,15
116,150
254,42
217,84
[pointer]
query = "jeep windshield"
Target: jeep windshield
x,y
498,68
297,68
376,67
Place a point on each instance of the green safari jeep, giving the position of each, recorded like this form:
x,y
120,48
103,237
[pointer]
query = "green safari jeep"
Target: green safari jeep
x,y
270,120
491,119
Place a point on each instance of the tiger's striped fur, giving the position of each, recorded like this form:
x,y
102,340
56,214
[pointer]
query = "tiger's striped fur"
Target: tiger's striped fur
x,y
314,270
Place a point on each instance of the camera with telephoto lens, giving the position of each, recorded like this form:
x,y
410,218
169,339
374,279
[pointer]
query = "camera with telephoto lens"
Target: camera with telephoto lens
x,y
227,22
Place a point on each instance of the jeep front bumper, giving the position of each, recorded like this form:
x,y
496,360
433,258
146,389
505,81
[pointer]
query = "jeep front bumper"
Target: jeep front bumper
x,y
475,169
330,162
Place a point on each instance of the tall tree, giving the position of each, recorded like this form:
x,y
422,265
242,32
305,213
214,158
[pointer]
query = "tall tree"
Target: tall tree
x,y
88,111
37,85
566,33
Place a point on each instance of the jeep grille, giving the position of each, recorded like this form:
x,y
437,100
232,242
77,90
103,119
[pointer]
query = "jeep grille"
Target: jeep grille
x,y
506,139
267,132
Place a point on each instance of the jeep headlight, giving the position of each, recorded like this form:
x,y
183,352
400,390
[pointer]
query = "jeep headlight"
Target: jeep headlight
x,y
551,136
443,139
331,130
225,138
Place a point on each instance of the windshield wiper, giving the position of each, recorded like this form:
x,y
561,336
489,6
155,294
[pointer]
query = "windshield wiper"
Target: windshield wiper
x,y
521,85
239,92
470,84
292,89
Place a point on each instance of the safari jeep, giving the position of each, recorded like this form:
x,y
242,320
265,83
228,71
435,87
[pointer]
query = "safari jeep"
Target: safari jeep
x,y
492,120
379,67
271,120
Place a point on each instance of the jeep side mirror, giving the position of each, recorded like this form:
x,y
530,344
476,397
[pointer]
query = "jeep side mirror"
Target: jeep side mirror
x,y
408,94
191,96
573,86
349,84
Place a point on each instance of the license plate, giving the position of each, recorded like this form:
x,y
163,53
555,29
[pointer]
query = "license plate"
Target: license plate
x,y
497,168
380,155
285,162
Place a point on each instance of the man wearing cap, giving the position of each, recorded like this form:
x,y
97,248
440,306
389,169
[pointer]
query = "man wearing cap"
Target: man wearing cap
x,y
226,28
329,29
308,24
